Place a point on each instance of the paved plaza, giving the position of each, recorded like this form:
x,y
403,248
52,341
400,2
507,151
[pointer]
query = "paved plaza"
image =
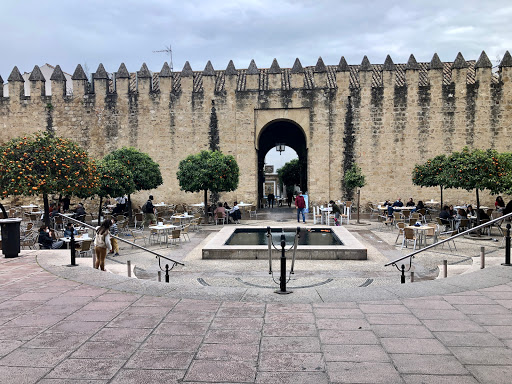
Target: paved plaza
x,y
221,322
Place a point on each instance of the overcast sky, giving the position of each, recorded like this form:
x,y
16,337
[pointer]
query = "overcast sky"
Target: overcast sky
x,y
89,32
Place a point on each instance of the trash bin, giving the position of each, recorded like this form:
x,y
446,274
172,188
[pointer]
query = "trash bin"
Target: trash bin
x,y
10,237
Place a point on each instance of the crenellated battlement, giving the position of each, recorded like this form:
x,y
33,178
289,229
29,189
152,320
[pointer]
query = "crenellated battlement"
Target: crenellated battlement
x,y
384,116
275,78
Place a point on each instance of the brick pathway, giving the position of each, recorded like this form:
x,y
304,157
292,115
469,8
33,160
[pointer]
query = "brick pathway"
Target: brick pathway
x,y
55,330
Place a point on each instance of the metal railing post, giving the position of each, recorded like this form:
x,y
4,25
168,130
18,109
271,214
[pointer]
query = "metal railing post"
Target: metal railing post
x,y
445,268
159,276
129,266
402,278
166,273
507,247
482,257
412,276
72,248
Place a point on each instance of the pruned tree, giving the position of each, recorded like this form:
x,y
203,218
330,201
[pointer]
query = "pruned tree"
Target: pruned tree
x,y
208,171
43,164
431,173
354,178
145,172
115,180
289,174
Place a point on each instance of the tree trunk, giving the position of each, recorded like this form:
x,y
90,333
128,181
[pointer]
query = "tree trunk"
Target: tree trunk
x,y
441,196
6,216
46,210
358,197
478,209
206,206
100,211
129,205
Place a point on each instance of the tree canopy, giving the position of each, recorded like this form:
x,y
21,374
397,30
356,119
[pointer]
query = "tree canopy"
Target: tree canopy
x,y
208,171
353,178
43,164
145,172
289,174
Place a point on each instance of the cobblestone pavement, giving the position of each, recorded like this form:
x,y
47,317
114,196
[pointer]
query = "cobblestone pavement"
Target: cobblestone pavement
x,y
62,324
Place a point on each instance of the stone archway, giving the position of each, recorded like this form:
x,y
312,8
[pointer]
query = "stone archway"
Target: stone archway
x,y
286,132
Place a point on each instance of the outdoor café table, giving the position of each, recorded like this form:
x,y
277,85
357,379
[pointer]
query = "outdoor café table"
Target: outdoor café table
x,y
182,217
325,212
164,229
196,205
78,239
243,206
420,231
162,204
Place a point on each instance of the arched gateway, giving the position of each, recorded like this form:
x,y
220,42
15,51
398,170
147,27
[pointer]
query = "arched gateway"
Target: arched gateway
x,y
289,133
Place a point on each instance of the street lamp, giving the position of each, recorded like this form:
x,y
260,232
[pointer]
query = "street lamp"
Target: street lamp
x,y
280,148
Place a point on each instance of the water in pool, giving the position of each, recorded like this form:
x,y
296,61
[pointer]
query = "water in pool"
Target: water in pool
x,y
258,236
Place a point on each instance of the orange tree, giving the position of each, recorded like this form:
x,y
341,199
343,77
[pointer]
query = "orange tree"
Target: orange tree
x,y
43,164
145,172
431,173
115,180
208,171
479,169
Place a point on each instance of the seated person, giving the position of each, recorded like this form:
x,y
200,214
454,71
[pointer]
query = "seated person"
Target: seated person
x,y
226,206
336,210
70,229
234,213
482,215
470,211
499,204
461,214
445,216
47,239
452,211
508,208
410,203
419,206
386,203
398,203
79,212
220,212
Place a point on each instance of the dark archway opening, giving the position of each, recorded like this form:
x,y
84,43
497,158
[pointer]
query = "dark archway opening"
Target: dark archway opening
x,y
289,134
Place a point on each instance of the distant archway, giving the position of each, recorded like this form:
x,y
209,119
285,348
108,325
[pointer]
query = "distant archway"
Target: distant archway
x,y
284,132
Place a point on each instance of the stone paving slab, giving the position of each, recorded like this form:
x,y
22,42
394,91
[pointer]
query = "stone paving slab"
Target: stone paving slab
x,y
77,325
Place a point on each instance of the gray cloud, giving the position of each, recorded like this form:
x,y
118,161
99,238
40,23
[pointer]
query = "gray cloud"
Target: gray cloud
x,y
69,33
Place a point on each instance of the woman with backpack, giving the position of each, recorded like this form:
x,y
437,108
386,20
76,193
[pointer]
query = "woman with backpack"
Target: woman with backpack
x,y
102,244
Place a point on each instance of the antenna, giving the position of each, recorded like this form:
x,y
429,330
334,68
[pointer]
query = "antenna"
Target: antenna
x,y
169,51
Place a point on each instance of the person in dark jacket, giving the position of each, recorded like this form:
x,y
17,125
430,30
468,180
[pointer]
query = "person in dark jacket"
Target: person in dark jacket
x,y
47,239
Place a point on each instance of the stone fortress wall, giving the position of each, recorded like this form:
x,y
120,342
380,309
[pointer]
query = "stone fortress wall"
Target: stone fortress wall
x,y
384,117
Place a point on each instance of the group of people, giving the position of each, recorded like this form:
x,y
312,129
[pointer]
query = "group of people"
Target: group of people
x,y
391,207
223,211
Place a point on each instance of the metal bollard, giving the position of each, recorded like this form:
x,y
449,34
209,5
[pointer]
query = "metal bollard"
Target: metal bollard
x,y
166,273
72,249
282,279
412,276
482,257
507,247
94,259
402,278
159,276
445,268
129,265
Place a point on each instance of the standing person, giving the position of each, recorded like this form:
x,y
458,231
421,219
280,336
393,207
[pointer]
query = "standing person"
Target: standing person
x,y
300,204
102,244
289,198
149,211
271,197
114,231
65,203
235,213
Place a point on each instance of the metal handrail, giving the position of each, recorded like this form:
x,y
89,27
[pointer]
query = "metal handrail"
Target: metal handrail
x,y
123,240
411,255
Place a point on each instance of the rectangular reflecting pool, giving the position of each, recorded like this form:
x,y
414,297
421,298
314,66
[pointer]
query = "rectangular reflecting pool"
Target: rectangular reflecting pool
x,y
308,236
315,243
